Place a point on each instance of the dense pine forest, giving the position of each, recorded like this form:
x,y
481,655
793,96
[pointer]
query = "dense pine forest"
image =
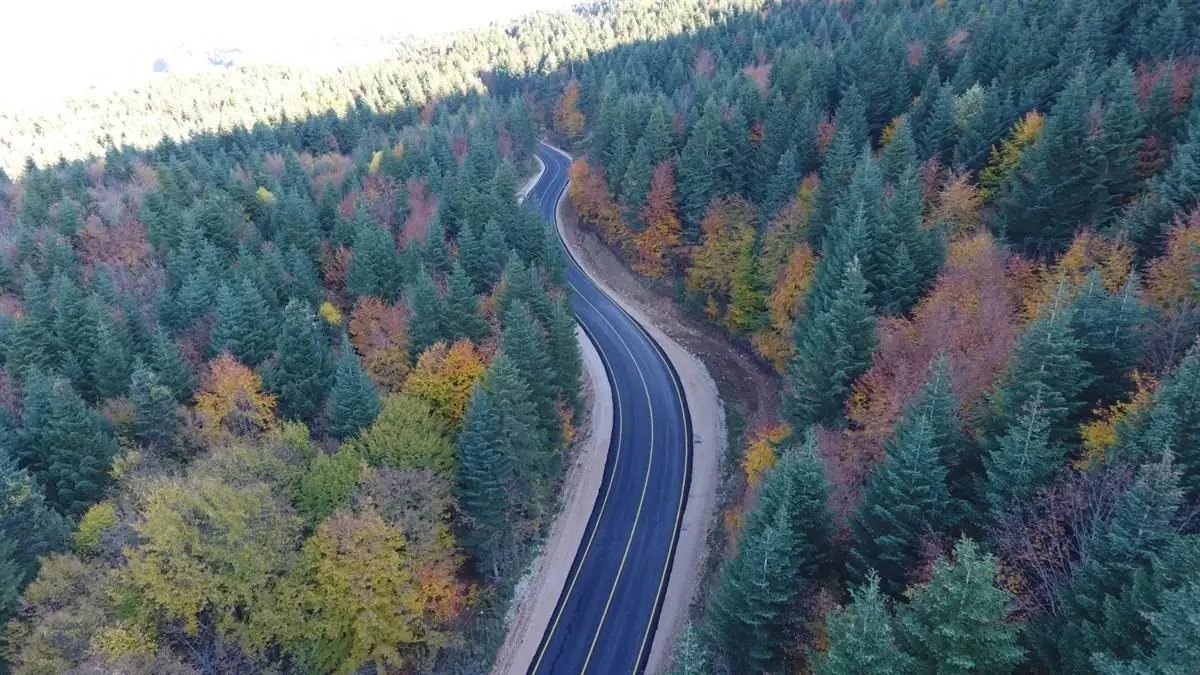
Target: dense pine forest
x,y
265,332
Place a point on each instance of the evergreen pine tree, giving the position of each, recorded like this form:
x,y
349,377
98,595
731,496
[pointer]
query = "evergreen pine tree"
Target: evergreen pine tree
x,y
1023,461
519,436
70,443
562,346
1172,424
27,524
905,503
111,362
156,419
833,348
523,343
302,377
435,254
704,168
354,403
753,608
373,263
460,311
484,486
425,326
168,363
691,655
797,485
957,622
862,638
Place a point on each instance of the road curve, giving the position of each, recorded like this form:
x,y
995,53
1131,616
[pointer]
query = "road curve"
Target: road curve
x,y
605,618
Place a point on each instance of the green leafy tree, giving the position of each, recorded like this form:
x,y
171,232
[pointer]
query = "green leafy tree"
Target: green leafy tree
x,y
407,434
328,483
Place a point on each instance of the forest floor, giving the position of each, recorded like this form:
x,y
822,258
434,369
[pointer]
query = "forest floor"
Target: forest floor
x,y
714,373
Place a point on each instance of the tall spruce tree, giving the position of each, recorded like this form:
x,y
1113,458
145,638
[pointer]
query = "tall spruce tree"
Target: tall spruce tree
x,y
833,348
353,401
1023,461
904,507
302,376
156,418
460,311
523,343
862,637
425,326
957,623
753,608
484,485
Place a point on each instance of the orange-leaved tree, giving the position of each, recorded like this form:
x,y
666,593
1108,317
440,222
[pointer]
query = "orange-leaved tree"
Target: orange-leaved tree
x,y
231,402
444,377
567,117
378,331
589,195
728,226
657,246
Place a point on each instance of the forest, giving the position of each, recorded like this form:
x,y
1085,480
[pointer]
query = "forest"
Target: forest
x,y
257,345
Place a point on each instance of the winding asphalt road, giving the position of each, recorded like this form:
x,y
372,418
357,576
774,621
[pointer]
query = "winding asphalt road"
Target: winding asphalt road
x,y
605,619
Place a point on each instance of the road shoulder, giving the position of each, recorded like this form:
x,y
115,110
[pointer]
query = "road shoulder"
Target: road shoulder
x,y
538,591
708,446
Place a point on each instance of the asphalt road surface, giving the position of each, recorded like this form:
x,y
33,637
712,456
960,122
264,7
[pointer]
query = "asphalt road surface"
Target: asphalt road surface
x,y
605,619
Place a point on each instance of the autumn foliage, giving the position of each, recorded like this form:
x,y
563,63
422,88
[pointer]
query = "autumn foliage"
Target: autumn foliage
x,y
589,195
567,117
378,331
444,377
231,401
656,247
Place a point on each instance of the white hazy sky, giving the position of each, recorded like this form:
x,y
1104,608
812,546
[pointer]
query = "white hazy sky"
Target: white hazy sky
x,y
50,47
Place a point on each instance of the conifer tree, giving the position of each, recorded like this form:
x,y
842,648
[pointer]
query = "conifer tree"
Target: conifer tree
x,y
833,348
484,486
1023,461
1168,195
111,363
1172,424
905,503
1045,364
302,377
524,345
797,485
168,363
754,606
373,263
69,444
28,525
862,637
156,419
691,655
494,254
243,325
354,403
425,326
460,311
520,437
957,622
435,254
704,169
1142,527
562,346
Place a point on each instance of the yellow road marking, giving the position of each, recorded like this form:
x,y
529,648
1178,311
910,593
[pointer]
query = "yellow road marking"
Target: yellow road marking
x,y
604,503
683,491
